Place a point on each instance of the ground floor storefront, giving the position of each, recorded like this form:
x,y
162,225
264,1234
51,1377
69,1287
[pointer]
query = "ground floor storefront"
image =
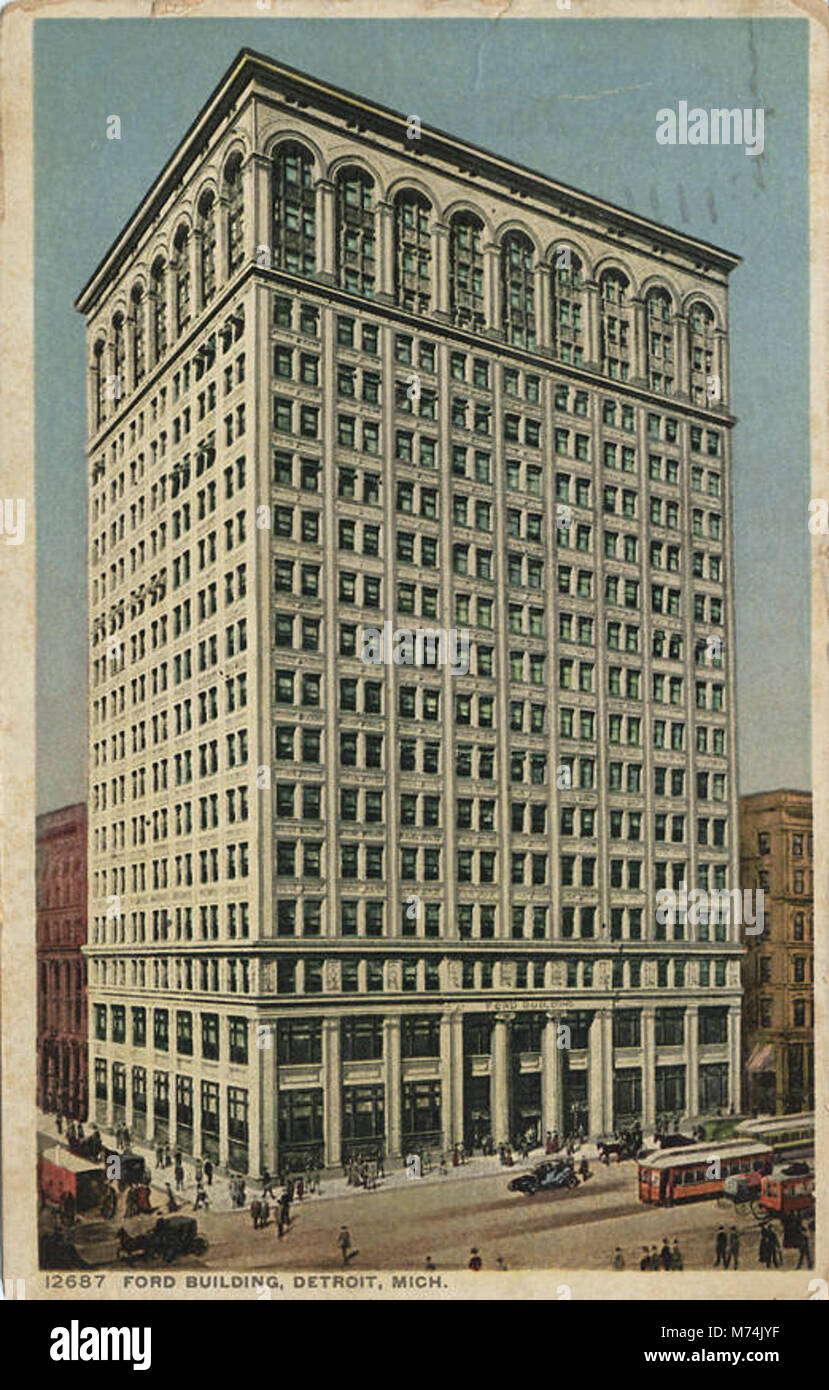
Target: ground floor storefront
x,y
314,1090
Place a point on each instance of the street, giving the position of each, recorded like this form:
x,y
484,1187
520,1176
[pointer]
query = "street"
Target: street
x,y
398,1226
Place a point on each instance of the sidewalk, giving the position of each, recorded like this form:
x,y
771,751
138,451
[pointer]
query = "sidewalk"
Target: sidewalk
x,y
332,1181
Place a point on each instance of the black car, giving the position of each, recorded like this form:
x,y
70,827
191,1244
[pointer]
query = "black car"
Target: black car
x,y
556,1173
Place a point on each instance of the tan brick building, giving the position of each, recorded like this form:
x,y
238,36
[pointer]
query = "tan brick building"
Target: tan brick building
x,y
778,978
341,377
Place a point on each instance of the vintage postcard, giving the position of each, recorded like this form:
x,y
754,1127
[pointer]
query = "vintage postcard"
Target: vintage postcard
x,y
414,575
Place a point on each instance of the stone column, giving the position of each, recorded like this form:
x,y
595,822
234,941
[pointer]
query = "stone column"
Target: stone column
x,y
681,364
734,1086
326,232
262,226
394,1085
451,1078
592,345
599,1072
721,363
385,253
265,1043
640,341
332,1090
648,1068
692,1061
440,267
492,289
552,1079
500,1081
196,276
172,302
543,308
222,251
251,204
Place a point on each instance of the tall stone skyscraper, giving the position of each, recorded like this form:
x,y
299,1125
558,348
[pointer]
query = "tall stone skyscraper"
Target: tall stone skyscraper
x,y
349,376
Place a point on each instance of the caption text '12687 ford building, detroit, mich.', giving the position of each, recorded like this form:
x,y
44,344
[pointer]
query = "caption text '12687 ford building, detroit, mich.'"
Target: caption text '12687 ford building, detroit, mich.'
x,y
349,374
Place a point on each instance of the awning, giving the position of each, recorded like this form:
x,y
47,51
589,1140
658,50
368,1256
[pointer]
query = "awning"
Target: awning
x,y
762,1058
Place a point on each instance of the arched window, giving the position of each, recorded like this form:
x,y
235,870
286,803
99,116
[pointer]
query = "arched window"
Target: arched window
x,y
567,286
119,357
701,351
159,293
466,270
614,309
518,290
235,214
355,231
98,381
138,335
294,209
660,342
413,251
207,247
182,263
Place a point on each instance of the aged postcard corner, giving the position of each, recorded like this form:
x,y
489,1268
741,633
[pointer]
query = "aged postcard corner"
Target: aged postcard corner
x,y
478,355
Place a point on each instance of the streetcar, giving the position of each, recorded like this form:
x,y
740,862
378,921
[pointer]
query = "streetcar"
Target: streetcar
x,y
783,1192
686,1175
785,1134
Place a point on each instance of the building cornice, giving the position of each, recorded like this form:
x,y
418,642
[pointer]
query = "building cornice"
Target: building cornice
x,y
361,115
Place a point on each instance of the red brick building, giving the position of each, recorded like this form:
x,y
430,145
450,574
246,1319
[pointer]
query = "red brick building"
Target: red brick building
x,y
62,1067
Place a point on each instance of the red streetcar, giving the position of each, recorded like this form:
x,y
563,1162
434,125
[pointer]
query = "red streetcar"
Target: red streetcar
x,y
783,1192
686,1175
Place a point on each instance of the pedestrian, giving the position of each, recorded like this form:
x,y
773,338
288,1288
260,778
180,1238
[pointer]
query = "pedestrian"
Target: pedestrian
x,y
665,1255
733,1248
126,1137
344,1243
764,1250
676,1256
548,1143
285,1204
300,1188
59,1122
456,1158
500,1264
654,1257
803,1247
264,1214
618,1258
242,1192
208,1172
267,1183
475,1261
317,1183
430,1264
159,1156
280,1219
645,1261
443,1169
179,1173
584,1170
201,1197
172,1204
255,1211
721,1248
774,1247
199,1172
168,1160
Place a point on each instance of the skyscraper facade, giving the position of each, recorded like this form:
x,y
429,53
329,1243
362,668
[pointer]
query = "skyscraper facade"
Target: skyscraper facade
x,y
411,646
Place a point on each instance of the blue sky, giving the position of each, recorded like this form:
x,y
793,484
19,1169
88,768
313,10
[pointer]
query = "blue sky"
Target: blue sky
x,y
575,99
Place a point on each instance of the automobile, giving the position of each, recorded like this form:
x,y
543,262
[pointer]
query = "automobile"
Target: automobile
x,y
675,1141
557,1173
